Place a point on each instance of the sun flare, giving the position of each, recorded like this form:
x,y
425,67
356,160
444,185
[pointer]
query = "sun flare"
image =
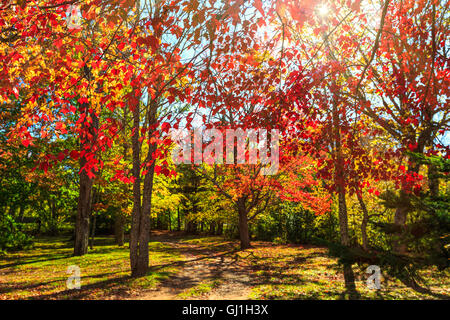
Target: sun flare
x,y
323,10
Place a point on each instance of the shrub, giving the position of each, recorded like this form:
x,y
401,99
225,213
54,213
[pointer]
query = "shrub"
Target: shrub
x,y
11,238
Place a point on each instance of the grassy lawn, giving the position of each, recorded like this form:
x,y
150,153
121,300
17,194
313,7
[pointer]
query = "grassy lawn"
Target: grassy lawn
x,y
41,273
305,272
276,272
200,289
308,272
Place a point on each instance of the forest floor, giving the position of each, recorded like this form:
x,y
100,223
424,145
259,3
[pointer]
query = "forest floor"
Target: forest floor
x,y
193,267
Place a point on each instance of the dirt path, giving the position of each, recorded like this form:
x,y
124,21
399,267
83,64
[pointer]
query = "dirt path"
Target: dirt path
x,y
223,276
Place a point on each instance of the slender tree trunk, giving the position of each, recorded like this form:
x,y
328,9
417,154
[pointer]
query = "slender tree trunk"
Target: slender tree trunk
x,y
83,213
191,227
178,219
219,230
243,225
349,276
119,229
53,219
169,220
399,245
88,140
140,225
144,234
433,182
212,228
136,213
365,221
339,179
94,222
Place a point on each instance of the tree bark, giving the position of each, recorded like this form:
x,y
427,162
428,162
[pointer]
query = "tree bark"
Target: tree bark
x,y
140,224
136,266
178,219
94,222
365,221
83,213
119,229
219,229
212,228
243,225
349,276
339,180
399,245
433,182
88,140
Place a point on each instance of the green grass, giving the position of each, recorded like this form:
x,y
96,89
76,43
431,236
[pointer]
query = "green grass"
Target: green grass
x,y
305,272
212,243
278,272
41,273
200,289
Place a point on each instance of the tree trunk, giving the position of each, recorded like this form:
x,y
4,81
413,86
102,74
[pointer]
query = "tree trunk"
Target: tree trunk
x,y
349,276
191,227
83,213
219,229
339,180
433,182
140,225
243,225
53,221
88,140
212,228
399,245
94,222
158,222
144,231
136,212
135,257
178,219
119,229
365,221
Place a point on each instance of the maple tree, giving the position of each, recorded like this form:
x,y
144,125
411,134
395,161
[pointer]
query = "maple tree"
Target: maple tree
x,y
353,87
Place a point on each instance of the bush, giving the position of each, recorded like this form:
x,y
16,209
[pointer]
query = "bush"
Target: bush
x,y
289,222
11,238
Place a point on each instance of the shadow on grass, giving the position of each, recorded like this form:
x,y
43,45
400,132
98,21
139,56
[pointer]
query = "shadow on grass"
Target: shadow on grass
x,y
26,286
117,286
44,258
85,290
184,262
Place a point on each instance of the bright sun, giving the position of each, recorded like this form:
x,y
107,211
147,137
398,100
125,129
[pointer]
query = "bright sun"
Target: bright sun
x,y
323,10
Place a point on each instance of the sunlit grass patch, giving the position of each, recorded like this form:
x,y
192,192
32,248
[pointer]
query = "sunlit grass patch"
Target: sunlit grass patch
x,y
41,273
212,243
297,272
200,289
